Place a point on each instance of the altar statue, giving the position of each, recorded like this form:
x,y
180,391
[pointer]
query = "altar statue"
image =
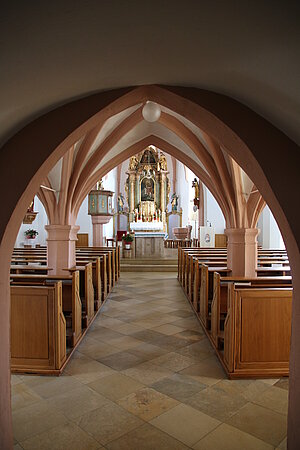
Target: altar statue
x,y
163,162
133,163
120,203
195,185
31,206
174,202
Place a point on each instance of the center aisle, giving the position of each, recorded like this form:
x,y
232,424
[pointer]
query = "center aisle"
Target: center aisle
x,y
146,377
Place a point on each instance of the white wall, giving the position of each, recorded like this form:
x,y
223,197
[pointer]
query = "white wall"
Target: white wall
x,y
212,212
110,184
85,221
269,236
38,224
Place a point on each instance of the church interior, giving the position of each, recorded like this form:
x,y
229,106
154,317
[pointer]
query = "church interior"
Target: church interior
x,y
149,257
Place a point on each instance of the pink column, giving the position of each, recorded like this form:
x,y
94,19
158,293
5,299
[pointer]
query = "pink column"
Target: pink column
x,y
242,251
61,248
98,222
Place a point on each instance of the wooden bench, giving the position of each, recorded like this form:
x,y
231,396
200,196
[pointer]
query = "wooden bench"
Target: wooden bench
x,y
220,298
260,347
85,287
71,301
38,329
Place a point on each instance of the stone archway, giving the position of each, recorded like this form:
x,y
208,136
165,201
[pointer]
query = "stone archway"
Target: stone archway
x,y
259,148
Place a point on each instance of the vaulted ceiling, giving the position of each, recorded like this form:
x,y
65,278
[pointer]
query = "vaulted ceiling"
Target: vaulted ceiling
x,y
123,134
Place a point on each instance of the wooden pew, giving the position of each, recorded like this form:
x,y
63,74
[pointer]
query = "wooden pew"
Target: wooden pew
x,y
29,268
115,257
109,267
71,301
85,283
260,347
86,292
220,296
100,275
38,329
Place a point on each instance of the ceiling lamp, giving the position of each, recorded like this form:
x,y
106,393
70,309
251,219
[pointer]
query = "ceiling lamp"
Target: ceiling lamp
x,y
151,111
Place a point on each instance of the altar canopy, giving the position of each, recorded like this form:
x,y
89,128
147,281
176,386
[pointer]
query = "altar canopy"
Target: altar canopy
x,y
147,190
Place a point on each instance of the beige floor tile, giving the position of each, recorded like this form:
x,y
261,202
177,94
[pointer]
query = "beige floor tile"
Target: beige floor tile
x,y
249,389
17,447
128,328
147,373
47,387
67,436
168,329
86,369
283,383
147,403
173,361
146,437
185,424
226,437
75,403
23,396
178,386
15,379
282,445
208,371
115,386
274,398
217,402
147,351
35,419
270,381
122,360
108,423
109,322
125,342
98,350
263,423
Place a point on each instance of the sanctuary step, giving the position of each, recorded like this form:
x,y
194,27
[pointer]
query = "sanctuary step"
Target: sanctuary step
x,y
149,265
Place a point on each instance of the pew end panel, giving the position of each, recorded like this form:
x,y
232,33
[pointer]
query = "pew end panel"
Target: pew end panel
x,y
257,332
38,329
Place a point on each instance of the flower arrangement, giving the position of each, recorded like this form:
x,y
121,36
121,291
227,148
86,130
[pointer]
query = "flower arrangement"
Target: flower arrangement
x,y
31,233
127,238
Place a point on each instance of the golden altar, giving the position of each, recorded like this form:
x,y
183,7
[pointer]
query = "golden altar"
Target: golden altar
x,y
147,188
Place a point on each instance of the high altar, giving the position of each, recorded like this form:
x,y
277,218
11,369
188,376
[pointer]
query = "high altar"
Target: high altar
x,y
147,191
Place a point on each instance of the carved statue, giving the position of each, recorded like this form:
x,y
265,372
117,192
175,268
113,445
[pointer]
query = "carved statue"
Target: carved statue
x,y
127,190
195,185
120,202
174,202
31,206
168,188
163,162
133,163
99,185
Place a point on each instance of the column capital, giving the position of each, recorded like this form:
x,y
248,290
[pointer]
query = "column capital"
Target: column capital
x,y
242,235
62,232
242,251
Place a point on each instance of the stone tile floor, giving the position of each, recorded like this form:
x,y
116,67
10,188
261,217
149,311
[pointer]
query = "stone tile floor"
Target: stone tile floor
x,y
146,377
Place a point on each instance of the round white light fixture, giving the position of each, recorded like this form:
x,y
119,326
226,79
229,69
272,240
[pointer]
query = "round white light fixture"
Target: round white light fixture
x,y
151,111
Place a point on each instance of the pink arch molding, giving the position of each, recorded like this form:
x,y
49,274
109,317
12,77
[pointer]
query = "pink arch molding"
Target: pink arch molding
x,y
268,156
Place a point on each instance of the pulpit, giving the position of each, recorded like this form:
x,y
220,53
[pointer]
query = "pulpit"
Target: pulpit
x,y
101,211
